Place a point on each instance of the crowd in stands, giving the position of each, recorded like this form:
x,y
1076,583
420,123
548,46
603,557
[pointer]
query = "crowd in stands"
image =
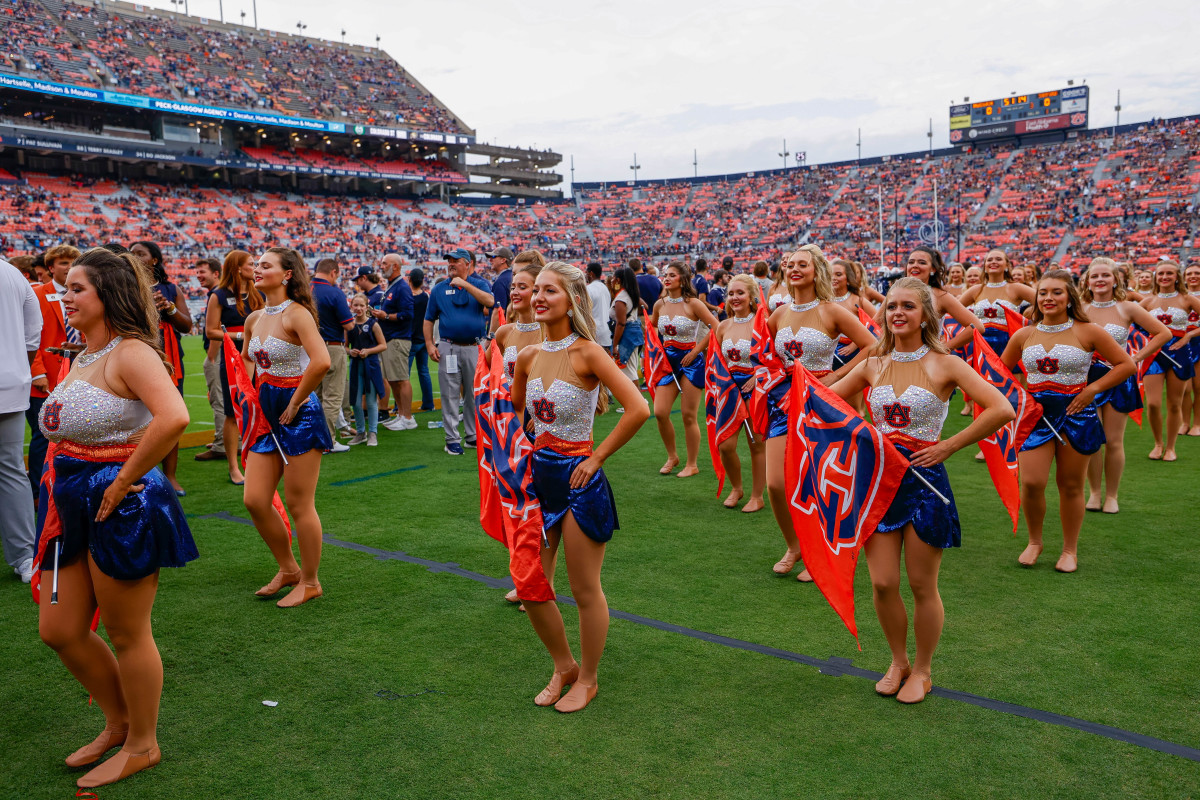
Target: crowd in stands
x,y
1133,197
225,65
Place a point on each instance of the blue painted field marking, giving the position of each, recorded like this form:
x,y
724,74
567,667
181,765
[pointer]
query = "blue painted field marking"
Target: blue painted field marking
x,y
349,481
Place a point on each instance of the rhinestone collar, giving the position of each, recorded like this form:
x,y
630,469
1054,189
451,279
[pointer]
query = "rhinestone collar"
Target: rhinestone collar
x,y
841,298
999,285
1103,303
86,359
273,310
528,327
561,344
915,355
955,286
800,308
1169,296
669,299
743,320
1055,328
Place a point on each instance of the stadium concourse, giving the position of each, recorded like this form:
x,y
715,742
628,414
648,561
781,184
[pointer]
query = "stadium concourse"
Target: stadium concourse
x,y
1132,196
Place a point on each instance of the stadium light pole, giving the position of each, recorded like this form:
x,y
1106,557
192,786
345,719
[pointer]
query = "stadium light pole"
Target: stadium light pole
x,y
255,3
221,10
784,154
695,165
1117,108
635,166
930,135
859,163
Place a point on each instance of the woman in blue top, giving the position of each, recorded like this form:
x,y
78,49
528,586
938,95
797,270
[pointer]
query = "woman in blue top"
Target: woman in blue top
x,y
366,342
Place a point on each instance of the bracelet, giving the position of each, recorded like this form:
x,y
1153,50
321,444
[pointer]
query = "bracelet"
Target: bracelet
x,y
172,310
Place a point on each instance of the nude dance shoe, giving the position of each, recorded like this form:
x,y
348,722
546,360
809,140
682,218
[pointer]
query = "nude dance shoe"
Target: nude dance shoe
x,y
1029,555
577,699
784,565
112,736
914,691
118,768
301,595
1067,562
280,580
553,691
893,679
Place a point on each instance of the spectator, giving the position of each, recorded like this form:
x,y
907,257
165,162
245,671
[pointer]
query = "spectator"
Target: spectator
x,y
762,277
460,307
700,281
25,265
208,272
716,293
46,365
20,340
368,282
333,319
41,272
628,336
649,287
395,315
601,303
502,259
366,376
418,353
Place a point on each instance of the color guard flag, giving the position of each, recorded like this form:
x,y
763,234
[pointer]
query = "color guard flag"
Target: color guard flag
x,y
768,373
1013,320
842,474
951,328
1000,450
869,323
252,423
655,365
724,411
1137,340
490,514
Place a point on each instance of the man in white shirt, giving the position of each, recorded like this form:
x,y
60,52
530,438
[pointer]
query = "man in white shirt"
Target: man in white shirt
x,y
20,338
601,304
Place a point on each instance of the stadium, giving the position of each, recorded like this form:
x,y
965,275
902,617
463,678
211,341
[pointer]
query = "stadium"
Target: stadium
x,y
121,123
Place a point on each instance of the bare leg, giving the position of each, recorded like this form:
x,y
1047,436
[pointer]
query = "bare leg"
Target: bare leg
x,y
1072,466
777,492
922,562
758,472
1035,473
733,468
230,432
1153,384
883,562
1114,456
263,472
300,486
1194,394
584,561
664,399
547,622
66,629
169,465
689,410
1174,414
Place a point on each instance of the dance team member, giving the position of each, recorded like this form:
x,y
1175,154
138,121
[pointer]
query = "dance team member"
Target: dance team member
x,y
805,330
561,385
846,279
911,376
989,300
113,418
234,299
288,357
1057,352
1171,305
174,321
1144,282
956,279
1105,304
736,336
777,295
974,276
677,315
1191,394
926,265
364,343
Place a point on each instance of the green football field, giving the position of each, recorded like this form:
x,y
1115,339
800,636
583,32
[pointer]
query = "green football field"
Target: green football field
x,y
413,678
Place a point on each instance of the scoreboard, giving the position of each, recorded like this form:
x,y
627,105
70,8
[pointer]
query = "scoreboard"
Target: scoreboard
x,y
1019,115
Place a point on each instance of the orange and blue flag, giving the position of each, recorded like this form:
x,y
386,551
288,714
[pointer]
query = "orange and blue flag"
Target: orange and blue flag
x,y
655,365
724,410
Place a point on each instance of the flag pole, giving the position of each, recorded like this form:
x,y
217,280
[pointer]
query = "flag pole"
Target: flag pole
x,y
1054,430
274,438
54,586
945,500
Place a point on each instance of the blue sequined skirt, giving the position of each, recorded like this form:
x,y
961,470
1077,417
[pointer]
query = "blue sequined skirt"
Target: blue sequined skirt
x,y
777,416
694,372
839,360
307,430
997,338
146,531
1083,431
1123,397
594,507
1184,358
935,523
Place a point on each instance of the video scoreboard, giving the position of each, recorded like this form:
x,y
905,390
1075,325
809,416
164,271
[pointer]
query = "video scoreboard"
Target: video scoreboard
x,y
1019,115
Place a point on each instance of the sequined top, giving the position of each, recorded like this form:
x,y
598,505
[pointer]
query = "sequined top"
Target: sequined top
x,y
681,330
562,410
521,336
990,311
82,412
1174,317
279,358
1054,360
802,335
917,412
778,299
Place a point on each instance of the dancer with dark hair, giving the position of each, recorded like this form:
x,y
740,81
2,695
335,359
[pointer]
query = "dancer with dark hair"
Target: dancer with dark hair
x,y
1057,352
113,418
288,358
988,300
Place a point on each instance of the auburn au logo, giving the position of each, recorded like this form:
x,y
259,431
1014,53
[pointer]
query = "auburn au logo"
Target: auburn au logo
x,y
262,358
543,409
734,355
794,348
1165,319
897,415
52,415
669,329
991,313
511,368
1047,365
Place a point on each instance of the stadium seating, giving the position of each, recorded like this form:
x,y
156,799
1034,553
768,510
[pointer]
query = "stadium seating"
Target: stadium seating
x,y
1133,197
167,57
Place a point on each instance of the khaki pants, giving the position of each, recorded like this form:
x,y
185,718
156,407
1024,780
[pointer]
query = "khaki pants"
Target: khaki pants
x,y
333,386
212,381
458,389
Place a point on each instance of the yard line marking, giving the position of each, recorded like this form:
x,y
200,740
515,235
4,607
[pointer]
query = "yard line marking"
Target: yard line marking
x,y
834,666
349,481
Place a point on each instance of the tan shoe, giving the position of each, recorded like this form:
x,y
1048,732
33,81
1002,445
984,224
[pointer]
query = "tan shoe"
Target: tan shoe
x,y
112,736
549,696
120,767
893,679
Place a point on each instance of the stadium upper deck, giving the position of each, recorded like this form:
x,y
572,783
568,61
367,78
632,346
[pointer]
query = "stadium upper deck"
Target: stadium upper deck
x,y
128,48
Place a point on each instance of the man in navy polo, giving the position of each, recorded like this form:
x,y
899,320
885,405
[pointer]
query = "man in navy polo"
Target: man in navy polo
x,y
460,306
649,287
333,319
395,315
502,259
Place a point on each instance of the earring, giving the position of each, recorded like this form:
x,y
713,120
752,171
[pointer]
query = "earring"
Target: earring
x,y
922,324
285,280
570,313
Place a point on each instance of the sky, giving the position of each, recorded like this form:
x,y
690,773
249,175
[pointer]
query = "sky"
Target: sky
x,y
730,82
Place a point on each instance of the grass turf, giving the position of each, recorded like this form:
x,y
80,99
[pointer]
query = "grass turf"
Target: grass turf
x,y
676,717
